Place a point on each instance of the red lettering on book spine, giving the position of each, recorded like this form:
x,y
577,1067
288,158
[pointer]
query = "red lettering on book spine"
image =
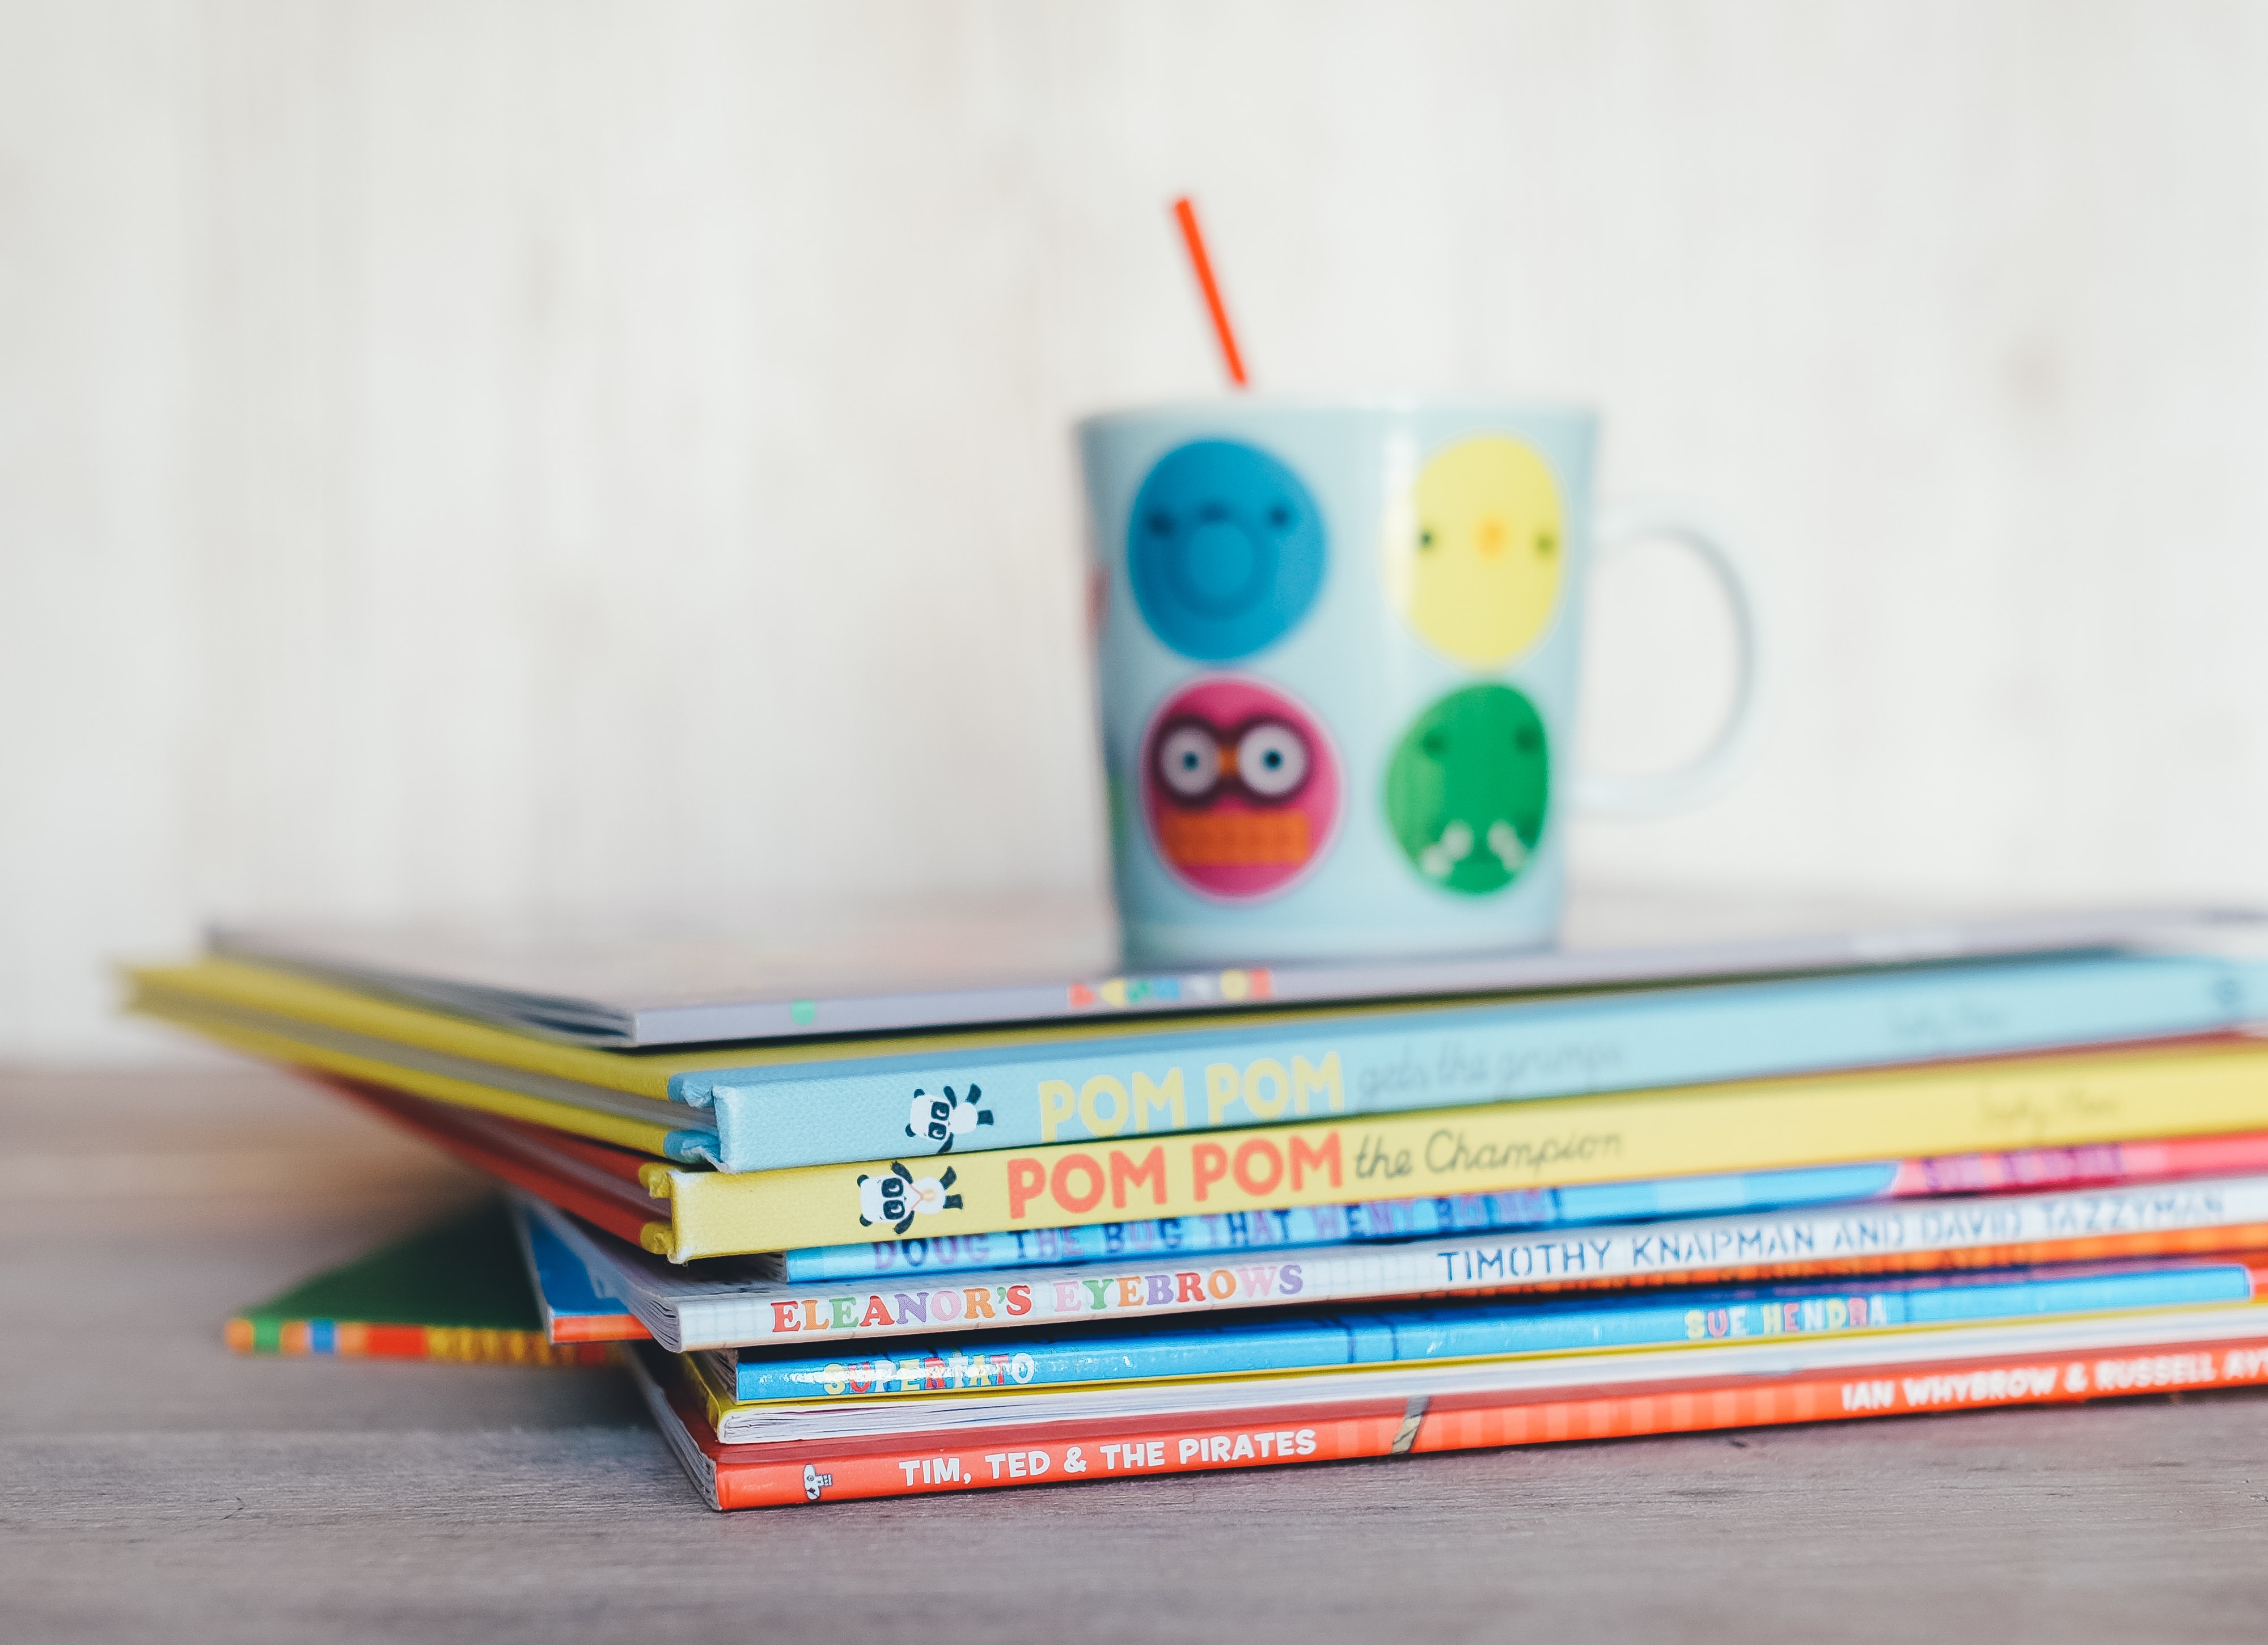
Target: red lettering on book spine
x,y
1089,1196
1026,1178
1208,1164
1305,1159
1124,1174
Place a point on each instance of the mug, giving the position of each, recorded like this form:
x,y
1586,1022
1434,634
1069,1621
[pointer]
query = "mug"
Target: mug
x,y
1337,659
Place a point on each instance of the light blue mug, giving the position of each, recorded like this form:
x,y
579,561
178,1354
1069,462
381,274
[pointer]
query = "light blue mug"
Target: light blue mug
x,y
1338,658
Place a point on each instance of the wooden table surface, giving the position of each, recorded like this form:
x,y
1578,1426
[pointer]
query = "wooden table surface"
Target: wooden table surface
x,y
153,1486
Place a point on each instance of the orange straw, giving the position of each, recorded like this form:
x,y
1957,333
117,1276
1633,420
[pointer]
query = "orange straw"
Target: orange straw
x,y
1188,216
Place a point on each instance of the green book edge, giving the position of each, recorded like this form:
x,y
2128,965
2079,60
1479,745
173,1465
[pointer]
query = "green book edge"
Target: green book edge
x,y
464,1272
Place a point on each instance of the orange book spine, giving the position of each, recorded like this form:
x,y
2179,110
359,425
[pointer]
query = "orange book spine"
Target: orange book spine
x,y
768,1475
567,1329
353,1339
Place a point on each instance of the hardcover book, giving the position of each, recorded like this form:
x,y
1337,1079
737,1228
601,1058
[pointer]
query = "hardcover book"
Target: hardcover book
x,y
605,1186
765,977
1384,1220
2201,1089
940,1095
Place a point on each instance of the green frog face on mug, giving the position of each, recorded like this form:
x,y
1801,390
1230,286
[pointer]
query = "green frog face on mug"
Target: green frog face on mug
x,y
1467,788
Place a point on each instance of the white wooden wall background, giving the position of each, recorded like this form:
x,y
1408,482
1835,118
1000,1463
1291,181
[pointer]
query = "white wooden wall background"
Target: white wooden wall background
x,y
476,456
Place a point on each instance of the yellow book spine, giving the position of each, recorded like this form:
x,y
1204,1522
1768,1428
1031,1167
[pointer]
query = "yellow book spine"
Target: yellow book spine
x,y
567,1117
1750,1126
235,985
231,984
720,1398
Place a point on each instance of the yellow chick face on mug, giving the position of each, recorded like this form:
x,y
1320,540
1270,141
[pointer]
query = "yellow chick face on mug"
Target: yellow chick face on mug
x,y
1473,557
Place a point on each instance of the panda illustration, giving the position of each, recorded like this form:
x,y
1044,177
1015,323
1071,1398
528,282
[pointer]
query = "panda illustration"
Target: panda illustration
x,y
815,1482
943,1117
897,1197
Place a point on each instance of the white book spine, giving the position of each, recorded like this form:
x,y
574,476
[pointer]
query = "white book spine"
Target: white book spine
x,y
687,1314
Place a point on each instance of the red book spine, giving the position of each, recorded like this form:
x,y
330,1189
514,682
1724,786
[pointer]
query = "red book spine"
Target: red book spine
x,y
765,1476
522,1166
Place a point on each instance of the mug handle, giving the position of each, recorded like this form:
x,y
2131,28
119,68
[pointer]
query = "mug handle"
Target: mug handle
x,y
1653,793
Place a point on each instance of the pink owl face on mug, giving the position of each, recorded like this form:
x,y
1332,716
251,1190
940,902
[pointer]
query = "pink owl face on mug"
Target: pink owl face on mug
x,y
1240,788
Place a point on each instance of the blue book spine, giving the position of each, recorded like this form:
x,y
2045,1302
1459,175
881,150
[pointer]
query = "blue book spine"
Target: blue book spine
x,y
1482,1331
1311,1064
565,1288
1340,1225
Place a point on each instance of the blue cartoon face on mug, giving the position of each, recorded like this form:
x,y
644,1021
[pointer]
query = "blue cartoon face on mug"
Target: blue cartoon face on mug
x,y
1225,549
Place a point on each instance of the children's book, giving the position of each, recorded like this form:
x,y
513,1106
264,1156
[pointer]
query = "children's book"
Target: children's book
x,y
790,1105
732,1303
573,1310
1397,1414
1381,1220
1025,962
2201,1089
605,1187
754,1392
458,1290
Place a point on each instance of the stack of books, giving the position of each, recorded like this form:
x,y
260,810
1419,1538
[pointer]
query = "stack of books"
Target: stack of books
x,y
891,1238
